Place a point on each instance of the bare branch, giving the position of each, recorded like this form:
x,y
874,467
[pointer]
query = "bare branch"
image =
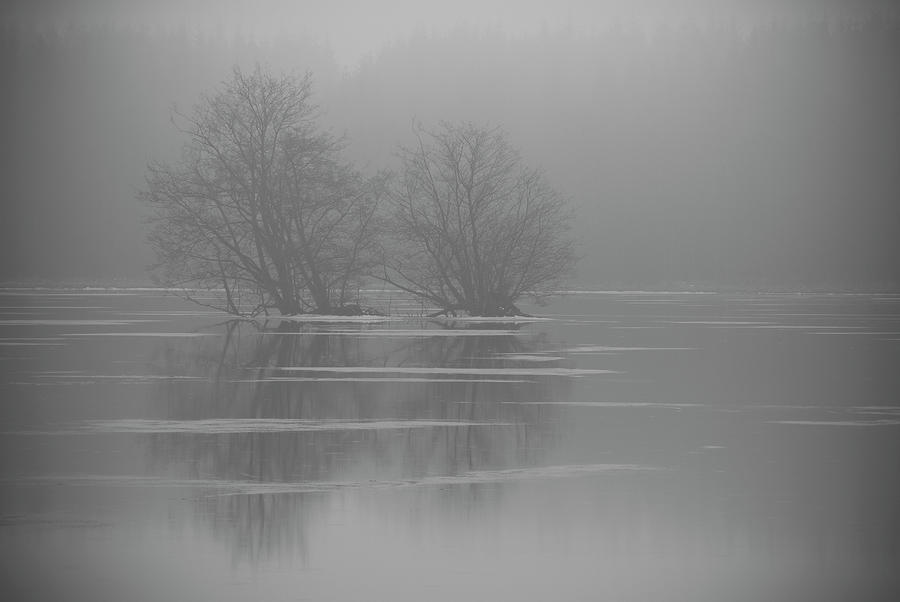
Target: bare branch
x,y
472,228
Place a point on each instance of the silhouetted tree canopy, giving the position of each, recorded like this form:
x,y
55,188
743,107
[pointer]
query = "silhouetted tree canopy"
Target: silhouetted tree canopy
x,y
261,207
473,228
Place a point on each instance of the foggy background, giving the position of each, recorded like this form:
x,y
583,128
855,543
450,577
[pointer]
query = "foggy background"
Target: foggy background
x,y
715,144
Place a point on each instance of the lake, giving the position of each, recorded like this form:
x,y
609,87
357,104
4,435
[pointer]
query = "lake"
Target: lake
x,y
626,446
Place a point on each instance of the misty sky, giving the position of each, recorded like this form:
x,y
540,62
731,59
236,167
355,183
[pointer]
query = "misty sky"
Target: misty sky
x,y
356,28
701,141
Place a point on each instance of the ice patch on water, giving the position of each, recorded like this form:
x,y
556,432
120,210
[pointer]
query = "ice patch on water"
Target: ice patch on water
x,y
237,487
171,314
536,472
655,302
56,383
583,321
376,379
56,307
574,372
770,313
316,318
574,316
217,426
32,341
608,404
791,327
60,322
144,334
592,292
862,332
495,319
80,378
605,349
875,410
424,332
763,325
722,322
884,422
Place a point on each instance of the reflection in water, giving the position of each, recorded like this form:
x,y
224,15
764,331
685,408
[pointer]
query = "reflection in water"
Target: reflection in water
x,y
624,451
437,429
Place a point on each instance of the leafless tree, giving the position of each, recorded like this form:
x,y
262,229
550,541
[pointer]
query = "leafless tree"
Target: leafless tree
x,y
473,229
261,207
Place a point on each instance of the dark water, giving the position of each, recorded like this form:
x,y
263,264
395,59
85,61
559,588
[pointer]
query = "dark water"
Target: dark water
x,y
631,447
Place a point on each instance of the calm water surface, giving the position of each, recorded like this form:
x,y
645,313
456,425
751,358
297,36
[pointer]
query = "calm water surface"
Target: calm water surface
x,y
628,447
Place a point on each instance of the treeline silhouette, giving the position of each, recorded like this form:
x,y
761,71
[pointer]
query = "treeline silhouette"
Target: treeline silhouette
x,y
706,154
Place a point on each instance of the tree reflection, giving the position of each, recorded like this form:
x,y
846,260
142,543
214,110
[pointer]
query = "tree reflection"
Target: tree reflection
x,y
246,380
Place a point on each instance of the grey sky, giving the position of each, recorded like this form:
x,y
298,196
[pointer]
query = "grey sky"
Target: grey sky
x,y
760,149
355,28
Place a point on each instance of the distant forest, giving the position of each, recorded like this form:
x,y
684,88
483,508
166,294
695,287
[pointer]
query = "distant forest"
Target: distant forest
x,y
698,154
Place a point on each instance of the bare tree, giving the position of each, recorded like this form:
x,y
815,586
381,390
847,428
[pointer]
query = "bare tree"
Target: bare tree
x,y
261,207
474,229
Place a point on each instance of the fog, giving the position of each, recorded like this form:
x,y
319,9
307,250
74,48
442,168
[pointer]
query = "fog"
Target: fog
x,y
705,144
710,412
